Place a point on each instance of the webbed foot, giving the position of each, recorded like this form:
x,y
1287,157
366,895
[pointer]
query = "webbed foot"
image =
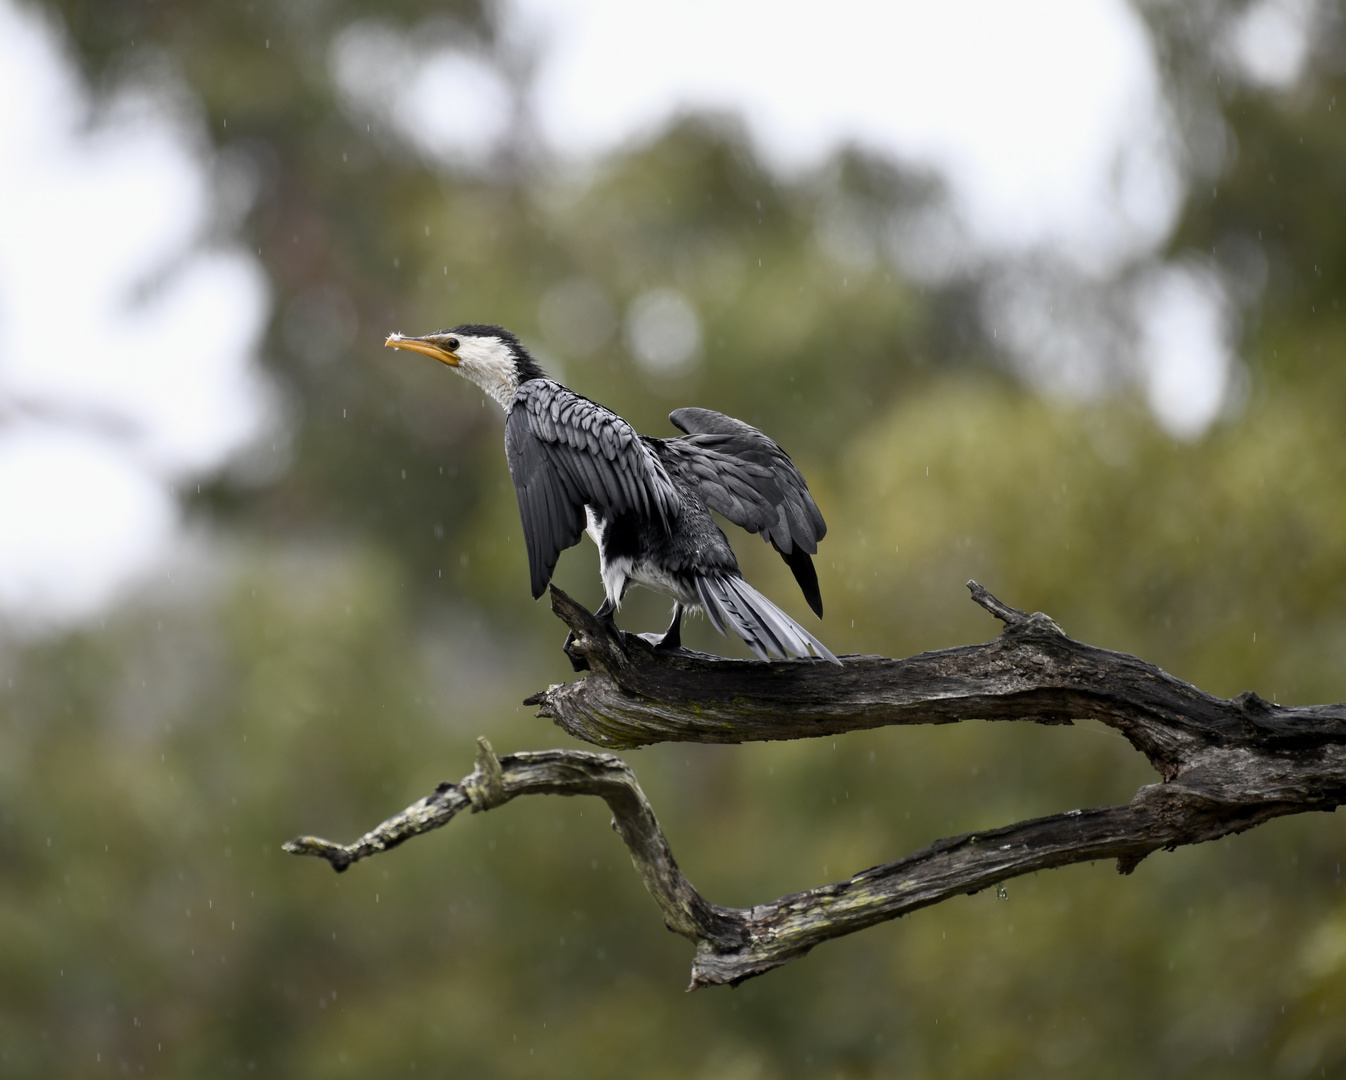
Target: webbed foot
x,y
577,662
604,615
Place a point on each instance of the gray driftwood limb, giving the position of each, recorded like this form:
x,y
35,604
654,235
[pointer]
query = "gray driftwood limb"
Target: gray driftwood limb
x,y
1226,766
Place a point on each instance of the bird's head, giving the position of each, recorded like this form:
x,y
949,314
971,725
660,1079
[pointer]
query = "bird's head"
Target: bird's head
x,y
489,356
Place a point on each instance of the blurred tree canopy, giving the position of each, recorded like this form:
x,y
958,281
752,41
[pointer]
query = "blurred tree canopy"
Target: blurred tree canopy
x,y
360,613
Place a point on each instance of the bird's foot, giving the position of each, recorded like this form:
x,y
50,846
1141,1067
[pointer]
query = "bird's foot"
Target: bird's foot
x,y
607,617
672,638
577,662
607,623
671,641
661,642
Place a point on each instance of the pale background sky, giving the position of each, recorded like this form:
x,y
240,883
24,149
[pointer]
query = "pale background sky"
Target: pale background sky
x,y
1045,117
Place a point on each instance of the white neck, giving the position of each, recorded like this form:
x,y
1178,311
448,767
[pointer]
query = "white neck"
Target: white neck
x,y
488,362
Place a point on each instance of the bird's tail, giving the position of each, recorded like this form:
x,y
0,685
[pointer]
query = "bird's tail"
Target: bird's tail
x,y
731,602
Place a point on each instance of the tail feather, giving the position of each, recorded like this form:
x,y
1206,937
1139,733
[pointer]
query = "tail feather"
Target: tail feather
x,y
732,604
713,607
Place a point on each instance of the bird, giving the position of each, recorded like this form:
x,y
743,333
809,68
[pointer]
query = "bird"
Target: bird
x,y
646,502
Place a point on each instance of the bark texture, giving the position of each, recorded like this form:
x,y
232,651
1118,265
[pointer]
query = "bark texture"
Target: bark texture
x,y
1226,765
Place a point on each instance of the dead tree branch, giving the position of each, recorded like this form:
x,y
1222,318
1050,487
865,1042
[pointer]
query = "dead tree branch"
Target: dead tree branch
x,y
636,695
1227,765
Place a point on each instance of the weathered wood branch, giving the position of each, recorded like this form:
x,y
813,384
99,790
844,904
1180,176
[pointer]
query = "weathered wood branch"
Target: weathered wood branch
x,y
495,781
636,694
1227,765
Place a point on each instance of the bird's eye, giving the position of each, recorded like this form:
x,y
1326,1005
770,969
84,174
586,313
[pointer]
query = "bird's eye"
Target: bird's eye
x,y
452,344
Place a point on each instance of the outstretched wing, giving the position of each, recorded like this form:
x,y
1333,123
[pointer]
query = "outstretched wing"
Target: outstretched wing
x,y
745,476
566,452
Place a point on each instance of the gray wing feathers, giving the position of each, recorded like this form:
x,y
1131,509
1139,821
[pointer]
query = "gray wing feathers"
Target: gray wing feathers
x,y
552,520
566,452
732,604
746,477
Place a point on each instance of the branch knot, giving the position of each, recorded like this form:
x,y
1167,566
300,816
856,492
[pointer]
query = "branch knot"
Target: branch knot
x,y
485,788
1252,702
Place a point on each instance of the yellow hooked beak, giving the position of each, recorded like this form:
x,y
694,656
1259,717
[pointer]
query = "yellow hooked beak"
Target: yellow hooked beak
x,y
427,345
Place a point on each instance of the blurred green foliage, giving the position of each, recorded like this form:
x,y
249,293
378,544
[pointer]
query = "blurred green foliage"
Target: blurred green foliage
x,y
353,623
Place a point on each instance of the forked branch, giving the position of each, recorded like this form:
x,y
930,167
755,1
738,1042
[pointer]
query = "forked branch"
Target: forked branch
x,y
1227,765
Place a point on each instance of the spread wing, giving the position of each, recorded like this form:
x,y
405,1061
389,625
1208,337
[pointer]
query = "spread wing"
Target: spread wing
x,y
566,452
745,476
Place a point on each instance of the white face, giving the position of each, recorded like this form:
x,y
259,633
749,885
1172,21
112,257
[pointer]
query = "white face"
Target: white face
x,y
488,362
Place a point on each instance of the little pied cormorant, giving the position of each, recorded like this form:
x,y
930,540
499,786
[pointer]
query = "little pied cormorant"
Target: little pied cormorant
x,y
646,502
